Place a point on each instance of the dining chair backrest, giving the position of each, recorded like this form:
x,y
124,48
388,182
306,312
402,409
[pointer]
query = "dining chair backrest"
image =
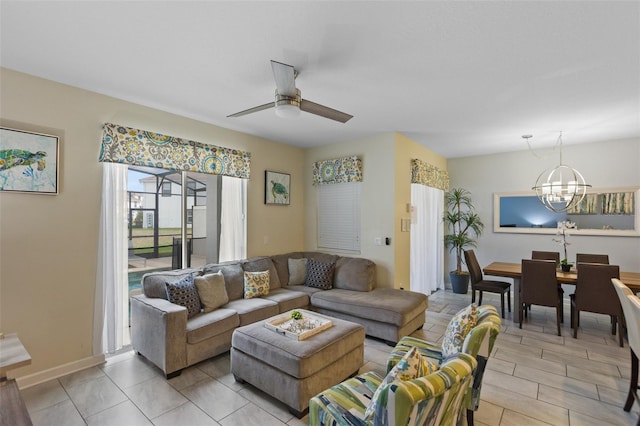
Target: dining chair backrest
x,y
546,255
631,313
594,292
592,258
538,284
475,272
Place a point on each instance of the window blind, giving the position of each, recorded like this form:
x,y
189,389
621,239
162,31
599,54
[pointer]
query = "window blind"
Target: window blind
x,y
339,216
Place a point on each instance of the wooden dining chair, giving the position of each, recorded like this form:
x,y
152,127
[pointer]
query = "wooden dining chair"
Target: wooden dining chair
x,y
478,283
631,310
592,258
549,255
539,286
546,255
594,293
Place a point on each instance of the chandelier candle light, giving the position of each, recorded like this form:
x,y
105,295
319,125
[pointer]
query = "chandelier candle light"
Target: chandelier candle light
x,y
560,188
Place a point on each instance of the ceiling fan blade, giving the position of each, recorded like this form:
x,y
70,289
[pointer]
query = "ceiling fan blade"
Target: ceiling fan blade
x,y
324,111
252,110
285,77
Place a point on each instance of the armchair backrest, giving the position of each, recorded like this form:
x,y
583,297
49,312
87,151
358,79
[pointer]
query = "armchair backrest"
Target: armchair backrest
x,y
631,312
433,399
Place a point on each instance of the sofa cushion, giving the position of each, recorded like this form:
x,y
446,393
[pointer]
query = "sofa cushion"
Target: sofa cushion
x,y
354,273
153,283
288,299
281,263
297,271
210,324
256,284
386,305
183,292
320,257
257,264
457,329
212,291
252,310
304,289
411,366
233,277
320,274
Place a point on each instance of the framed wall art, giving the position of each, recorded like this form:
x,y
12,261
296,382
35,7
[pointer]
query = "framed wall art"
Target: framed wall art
x,y
28,162
277,188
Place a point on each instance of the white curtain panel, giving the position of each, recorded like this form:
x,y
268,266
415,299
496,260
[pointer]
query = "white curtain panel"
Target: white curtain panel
x,y
111,324
233,228
427,239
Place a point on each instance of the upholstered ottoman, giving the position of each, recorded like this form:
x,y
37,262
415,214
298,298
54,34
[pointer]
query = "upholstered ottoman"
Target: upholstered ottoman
x,y
293,371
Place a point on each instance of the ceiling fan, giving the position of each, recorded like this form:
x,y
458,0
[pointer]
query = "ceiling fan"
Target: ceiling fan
x,y
289,102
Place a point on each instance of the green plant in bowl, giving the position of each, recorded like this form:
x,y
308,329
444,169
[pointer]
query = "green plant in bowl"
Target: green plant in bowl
x,y
296,315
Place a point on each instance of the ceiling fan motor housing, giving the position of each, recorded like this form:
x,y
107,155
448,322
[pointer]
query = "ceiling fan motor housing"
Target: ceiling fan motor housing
x,y
288,106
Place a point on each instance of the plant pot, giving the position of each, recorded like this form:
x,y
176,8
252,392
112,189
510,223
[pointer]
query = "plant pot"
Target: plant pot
x,y
459,282
565,268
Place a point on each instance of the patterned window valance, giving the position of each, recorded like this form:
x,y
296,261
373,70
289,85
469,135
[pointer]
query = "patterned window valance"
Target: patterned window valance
x,y
339,170
429,175
143,148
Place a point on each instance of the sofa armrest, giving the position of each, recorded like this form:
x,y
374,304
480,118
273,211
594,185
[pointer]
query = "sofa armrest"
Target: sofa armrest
x,y
159,332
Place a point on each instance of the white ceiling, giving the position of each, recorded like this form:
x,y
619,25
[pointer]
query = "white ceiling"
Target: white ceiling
x,y
461,78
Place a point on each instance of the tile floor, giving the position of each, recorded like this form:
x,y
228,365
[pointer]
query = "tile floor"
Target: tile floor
x,y
533,377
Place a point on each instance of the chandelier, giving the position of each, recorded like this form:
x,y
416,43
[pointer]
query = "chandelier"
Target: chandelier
x,y
561,188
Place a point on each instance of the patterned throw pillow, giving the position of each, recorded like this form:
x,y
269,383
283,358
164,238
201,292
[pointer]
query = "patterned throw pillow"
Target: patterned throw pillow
x,y
320,274
212,291
184,293
256,284
297,271
457,330
411,366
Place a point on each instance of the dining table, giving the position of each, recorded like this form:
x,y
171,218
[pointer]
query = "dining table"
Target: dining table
x,y
514,271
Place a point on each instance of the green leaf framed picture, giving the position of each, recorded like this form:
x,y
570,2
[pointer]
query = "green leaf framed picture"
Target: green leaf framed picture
x,y
277,188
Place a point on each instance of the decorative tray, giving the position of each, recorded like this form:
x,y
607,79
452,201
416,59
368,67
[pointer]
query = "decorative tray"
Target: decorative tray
x,y
310,324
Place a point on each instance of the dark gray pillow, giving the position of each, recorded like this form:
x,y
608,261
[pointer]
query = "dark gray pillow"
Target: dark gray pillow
x,y
320,274
184,293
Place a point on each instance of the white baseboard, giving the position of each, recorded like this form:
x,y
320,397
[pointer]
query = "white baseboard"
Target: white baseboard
x,y
59,371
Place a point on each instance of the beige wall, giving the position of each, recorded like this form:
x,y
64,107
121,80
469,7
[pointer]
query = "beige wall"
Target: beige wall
x,y
48,244
377,154
386,191
407,150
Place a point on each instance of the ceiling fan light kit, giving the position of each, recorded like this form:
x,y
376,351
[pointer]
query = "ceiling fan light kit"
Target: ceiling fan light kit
x,y
286,106
289,102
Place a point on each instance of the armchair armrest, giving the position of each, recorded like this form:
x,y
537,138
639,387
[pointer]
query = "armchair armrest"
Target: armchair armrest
x,y
159,332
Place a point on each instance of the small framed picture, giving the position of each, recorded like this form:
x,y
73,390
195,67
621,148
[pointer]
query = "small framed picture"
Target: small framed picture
x,y
28,162
277,188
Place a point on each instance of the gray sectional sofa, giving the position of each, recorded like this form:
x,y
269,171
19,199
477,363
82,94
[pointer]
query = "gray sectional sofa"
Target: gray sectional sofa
x,y
162,333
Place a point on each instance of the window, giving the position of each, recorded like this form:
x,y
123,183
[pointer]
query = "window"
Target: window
x,y
166,189
339,216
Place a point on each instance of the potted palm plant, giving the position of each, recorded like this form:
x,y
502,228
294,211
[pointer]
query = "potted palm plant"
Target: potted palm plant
x,y
464,226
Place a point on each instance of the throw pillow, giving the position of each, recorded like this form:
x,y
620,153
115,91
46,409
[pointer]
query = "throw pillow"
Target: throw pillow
x,y
212,291
320,274
184,293
256,284
297,271
459,326
411,366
